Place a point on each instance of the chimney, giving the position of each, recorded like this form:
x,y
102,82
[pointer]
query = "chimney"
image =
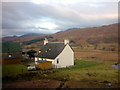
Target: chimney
x,y
66,41
45,41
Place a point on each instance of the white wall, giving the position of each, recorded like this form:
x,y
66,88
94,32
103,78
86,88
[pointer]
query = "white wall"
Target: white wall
x,y
36,59
66,58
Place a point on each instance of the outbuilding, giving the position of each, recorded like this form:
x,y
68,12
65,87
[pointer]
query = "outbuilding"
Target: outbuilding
x,y
11,53
43,64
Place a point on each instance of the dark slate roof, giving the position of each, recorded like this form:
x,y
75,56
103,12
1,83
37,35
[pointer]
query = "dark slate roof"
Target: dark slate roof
x,y
51,50
11,47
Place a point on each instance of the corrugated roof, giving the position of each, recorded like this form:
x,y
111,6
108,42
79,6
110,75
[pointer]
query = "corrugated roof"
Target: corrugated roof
x,y
51,50
41,61
11,47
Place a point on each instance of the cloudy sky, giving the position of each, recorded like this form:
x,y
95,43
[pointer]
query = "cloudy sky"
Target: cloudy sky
x,y
50,16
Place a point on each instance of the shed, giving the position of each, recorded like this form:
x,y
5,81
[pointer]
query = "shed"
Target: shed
x,y
42,64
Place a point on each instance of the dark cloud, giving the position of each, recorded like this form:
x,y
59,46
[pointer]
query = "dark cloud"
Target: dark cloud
x,y
24,17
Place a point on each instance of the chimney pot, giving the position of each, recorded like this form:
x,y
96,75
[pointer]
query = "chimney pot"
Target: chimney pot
x,y
45,41
66,41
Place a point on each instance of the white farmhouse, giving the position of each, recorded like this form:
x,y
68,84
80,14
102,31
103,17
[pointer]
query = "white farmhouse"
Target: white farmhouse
x,y
59,53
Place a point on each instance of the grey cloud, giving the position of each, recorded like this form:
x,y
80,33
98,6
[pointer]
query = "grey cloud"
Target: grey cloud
x,y
20,18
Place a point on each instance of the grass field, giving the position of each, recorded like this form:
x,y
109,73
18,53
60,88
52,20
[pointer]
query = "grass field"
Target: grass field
x,y
79,64
13,69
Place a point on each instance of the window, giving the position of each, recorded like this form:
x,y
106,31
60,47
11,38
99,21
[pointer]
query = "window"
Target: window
x,y
57,61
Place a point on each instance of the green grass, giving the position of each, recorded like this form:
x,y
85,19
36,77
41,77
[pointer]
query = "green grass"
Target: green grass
x,y
79,64
13,69
80,68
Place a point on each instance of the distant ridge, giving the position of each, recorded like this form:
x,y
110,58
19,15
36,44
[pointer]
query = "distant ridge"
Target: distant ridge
x,y
32,34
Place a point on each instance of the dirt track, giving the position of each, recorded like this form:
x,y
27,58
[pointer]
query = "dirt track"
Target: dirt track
x,y
33,84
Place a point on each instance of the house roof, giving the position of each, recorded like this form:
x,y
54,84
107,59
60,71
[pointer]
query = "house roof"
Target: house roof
x,y
51,50
41,61
11,47
31,51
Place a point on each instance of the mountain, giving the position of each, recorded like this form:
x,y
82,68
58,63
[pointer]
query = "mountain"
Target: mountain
x,y
21,38
90,36
32,34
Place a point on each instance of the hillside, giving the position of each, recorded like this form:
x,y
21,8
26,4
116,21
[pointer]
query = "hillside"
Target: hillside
x,y
95,35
